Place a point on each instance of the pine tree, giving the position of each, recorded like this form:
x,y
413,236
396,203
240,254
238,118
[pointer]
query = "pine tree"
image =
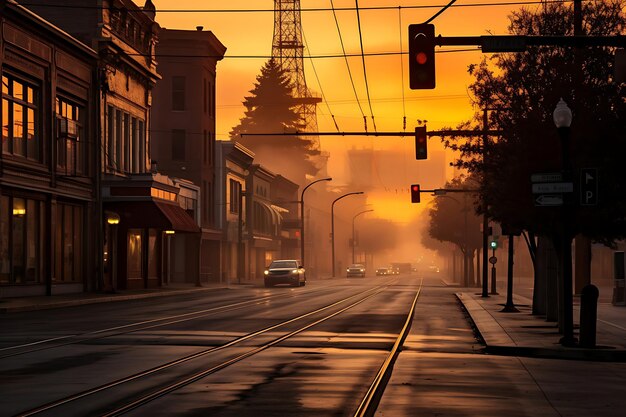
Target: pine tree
x,y
270,108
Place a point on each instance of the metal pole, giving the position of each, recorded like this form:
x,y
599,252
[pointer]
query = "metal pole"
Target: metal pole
x,y
509,307
568,338
240,254
302,217
485,219
332,226
353,233
493,275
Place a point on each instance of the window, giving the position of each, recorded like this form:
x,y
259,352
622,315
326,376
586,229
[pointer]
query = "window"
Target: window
x,y
206,147
20,113
68,243
71,144
178,144
206,95
126,142
210,205
211,146
135,269
22,255
153,255
178,93
234,191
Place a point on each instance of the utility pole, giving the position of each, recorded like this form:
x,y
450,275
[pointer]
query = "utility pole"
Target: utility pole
x,y
485,292
582,256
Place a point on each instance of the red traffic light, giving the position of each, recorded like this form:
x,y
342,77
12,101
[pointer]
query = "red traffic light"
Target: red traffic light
x,y
415,193
421,144
422,56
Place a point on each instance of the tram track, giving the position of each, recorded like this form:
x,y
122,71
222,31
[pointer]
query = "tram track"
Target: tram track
x,y
186,379
62,341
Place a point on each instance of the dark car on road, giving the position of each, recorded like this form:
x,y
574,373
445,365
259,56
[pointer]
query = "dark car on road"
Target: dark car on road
x,y
356,270
383,271
288,271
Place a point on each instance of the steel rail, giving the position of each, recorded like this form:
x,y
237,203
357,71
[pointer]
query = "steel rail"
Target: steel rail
x,y
199,375
145,373
178,318
367,407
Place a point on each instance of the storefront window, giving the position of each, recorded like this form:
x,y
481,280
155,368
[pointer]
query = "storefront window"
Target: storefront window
x,y
68,243
153,258
134,254
22,224
5,262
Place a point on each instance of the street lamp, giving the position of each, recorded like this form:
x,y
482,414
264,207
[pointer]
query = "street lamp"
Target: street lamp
x,y
562,117
302,217
332,224
353,235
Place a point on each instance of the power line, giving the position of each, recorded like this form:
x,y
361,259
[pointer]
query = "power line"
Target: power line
x,y
367,88
345,56
441,11
401,70
318,82
324,56
316,9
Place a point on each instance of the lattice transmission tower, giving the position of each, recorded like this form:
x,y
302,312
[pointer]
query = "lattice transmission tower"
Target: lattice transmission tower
x,y
288,50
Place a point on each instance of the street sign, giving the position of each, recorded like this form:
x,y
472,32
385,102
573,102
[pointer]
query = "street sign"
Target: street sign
x,y
502,43
493,260
549,200
553,187
547,177
588,186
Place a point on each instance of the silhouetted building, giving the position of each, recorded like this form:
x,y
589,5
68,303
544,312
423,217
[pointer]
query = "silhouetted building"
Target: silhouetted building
x,y
183,127
48,166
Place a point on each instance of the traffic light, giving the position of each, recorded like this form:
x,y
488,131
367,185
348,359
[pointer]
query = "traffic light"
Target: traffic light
x,y
422,56
493,244
415,193
421,144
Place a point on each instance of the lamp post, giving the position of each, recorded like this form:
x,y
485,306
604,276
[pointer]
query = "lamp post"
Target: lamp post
x,y
562,117
302,216
332,224
353,234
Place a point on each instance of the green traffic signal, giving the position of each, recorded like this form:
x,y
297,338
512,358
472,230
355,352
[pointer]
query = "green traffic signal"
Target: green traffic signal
x,y
494,244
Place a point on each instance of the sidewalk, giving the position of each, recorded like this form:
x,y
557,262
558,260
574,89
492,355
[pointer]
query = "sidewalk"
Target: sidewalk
x,y
20,304
522,334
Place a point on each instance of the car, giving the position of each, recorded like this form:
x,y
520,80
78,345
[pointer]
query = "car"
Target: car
x,y
383,271
356,270
285,271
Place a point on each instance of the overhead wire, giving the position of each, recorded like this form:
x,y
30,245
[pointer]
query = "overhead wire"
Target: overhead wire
x,y
367,88
345,56
323,56
441,11
306,45
401,69
315,9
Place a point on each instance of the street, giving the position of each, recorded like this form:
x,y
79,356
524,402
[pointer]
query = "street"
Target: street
x,y
273,352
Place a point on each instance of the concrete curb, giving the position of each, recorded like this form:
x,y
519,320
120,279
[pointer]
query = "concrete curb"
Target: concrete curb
x,y
498,342
96,300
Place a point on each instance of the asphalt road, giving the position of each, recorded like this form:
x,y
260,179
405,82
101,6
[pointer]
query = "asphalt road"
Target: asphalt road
x,y
252,351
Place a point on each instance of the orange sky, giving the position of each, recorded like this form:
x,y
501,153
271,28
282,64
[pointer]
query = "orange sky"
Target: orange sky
x,y
251,34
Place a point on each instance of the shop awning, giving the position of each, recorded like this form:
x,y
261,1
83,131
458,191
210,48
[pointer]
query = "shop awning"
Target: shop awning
x,y
153,214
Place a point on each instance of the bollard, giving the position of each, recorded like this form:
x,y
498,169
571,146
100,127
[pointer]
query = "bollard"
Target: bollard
x,y
588,315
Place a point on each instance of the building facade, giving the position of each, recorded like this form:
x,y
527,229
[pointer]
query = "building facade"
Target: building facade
x,y
232,164
183,126
138,206
48,163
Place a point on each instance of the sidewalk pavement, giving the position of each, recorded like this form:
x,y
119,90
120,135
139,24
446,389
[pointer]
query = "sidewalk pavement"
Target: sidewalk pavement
x,y
20,304
523,334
